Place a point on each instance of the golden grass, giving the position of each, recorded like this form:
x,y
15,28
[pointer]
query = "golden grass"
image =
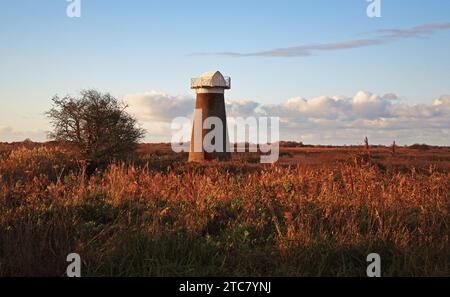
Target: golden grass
x,y
221,219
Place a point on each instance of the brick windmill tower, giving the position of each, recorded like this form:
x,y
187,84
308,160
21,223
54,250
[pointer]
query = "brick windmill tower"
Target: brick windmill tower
x,y
210,88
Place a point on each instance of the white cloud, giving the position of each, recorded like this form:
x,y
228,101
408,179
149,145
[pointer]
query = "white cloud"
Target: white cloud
x,y
322,119
241,108
443,100
159,106
364,105
155,111
317,120
370,106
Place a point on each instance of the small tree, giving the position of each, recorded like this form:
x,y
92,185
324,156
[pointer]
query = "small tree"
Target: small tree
x,y
98,124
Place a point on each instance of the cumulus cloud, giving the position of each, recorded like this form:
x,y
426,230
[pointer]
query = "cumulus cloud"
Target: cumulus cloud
x,y
321,119
442,101
159,106
364,105
241,108
316,120
383,36
156,110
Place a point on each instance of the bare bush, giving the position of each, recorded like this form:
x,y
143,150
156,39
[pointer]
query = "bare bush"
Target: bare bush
x,y
98,124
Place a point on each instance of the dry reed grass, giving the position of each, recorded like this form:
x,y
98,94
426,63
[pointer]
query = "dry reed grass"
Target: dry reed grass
x,y
233,218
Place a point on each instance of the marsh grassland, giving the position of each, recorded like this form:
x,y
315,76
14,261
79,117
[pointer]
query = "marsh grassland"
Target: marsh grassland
x,y
318,212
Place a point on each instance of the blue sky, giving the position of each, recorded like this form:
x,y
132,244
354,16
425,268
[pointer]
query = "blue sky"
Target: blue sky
x,y
137,46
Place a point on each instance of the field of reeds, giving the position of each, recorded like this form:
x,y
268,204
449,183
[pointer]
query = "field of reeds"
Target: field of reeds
x,y
318,212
